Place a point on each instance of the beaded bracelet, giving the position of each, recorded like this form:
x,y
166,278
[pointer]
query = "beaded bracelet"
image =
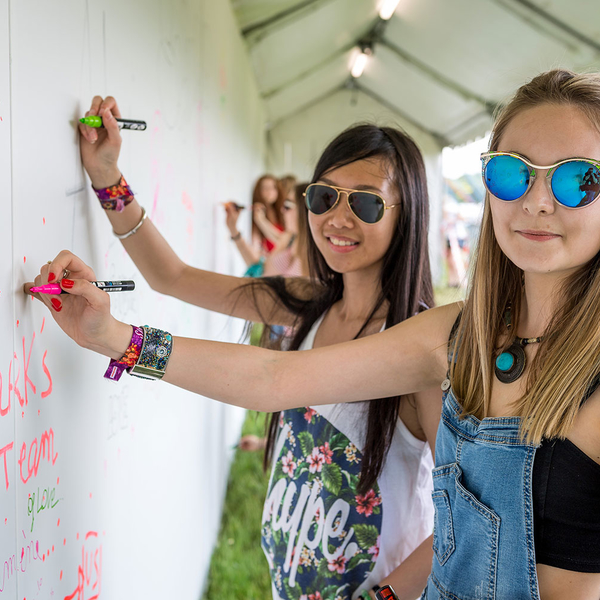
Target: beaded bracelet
x,y
128,360
116,197
155,354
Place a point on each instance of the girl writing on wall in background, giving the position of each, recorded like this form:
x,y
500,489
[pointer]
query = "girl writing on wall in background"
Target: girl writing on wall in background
x,y
289,256
267,222
348,505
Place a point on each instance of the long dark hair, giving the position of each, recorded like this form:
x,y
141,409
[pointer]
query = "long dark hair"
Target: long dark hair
x,y
405,275
273,212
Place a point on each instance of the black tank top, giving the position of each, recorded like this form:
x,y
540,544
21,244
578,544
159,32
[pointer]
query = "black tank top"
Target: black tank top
x,y
566,505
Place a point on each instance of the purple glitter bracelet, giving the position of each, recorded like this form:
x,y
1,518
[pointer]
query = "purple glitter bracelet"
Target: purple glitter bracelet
x,y
128,360
116,197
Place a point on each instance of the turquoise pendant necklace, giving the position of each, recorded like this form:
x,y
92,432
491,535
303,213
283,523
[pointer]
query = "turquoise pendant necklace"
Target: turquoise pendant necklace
x,y
510,364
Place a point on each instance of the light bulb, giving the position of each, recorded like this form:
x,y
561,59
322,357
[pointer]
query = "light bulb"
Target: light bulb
x,y
388,8
359,65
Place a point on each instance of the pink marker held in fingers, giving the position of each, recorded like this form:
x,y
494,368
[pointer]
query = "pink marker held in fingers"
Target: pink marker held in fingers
x,y
107,286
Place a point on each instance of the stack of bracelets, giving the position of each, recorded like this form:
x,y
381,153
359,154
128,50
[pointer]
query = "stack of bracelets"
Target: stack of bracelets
x,y
146,356
149,350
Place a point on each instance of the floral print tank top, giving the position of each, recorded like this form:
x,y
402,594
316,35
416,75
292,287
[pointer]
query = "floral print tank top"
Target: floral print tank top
x,y
319,534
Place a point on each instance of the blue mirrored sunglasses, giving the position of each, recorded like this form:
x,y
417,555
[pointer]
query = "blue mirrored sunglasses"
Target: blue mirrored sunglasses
x,y
574,182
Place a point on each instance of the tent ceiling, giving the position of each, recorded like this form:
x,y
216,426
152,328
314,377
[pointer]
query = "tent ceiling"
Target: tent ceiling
x,y
441,64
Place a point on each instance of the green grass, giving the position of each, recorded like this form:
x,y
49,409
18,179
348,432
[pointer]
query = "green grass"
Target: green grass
x,y
447,295
238,568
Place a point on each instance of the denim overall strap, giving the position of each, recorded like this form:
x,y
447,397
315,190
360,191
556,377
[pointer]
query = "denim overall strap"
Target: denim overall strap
x,y
483,533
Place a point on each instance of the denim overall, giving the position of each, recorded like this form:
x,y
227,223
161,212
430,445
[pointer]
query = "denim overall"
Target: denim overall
x,y
483,533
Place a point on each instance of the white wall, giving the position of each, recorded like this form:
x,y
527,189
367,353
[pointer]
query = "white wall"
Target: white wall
x,y
295,144
138,469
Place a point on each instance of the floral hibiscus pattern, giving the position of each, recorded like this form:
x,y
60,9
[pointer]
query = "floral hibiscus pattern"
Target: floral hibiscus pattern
x,y
320,534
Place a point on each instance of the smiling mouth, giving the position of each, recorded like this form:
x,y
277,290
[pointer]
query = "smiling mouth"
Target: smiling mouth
x,y
339,242
538,235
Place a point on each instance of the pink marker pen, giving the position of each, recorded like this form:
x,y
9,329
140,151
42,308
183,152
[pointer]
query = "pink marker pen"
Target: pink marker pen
x,y
107,286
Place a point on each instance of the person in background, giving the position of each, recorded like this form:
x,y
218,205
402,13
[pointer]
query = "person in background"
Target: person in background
x,y
348,506
288,185
267,221
289,256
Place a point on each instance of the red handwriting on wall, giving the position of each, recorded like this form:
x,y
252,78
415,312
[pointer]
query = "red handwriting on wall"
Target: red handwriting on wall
x,y
44,448
21,391
89,572
3,452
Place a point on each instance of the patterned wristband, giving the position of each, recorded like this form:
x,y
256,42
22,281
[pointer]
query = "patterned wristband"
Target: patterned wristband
x,y
155,354
116,197
128,360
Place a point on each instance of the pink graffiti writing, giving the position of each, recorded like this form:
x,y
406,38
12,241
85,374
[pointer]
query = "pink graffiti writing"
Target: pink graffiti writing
x,y
3,452
22,391
89,572
37,450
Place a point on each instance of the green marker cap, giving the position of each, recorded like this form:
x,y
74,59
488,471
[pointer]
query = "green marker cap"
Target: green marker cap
x,y
91,121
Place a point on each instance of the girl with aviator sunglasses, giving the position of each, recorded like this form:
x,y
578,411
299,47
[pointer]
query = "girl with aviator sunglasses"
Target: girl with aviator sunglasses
x,y
517,477
348,505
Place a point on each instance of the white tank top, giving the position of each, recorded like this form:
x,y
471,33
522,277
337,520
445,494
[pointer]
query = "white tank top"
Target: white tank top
x,y
398,513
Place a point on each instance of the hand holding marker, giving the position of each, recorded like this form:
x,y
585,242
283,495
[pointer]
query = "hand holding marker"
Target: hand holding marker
x,y
96,121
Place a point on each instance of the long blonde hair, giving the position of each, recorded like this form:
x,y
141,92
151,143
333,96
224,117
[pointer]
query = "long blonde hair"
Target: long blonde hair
x,y
568,359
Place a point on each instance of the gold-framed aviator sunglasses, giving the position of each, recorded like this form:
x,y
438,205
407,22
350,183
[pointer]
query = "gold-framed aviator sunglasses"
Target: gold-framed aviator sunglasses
x,y
574,182
368,207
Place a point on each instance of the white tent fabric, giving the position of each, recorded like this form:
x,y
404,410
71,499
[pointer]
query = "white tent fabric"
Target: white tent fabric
x,y
442,65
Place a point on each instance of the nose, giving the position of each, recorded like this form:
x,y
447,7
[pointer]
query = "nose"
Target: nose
x,y
341,215
539,198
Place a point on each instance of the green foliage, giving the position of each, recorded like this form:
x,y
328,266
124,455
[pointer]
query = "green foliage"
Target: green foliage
x,y
359,559
366,535
238,563
329,593
323,569
292,592
352,481
338,442
332,478
307,443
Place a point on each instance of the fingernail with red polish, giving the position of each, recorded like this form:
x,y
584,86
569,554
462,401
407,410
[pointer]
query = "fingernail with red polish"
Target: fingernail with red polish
x,y
56,304
51,276
67,283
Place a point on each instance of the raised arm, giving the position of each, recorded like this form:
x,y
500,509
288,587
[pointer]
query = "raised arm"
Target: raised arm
x,y
158,263
266,227
250,252
409,357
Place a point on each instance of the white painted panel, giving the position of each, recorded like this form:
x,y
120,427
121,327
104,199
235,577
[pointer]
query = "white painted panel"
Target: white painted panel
x,y
11,542
134,472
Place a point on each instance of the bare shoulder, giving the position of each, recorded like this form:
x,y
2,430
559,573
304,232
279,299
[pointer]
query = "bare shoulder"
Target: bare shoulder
x,y
434,324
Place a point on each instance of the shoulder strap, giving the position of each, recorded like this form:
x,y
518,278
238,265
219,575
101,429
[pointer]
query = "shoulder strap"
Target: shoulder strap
x,y
453,333
591,389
